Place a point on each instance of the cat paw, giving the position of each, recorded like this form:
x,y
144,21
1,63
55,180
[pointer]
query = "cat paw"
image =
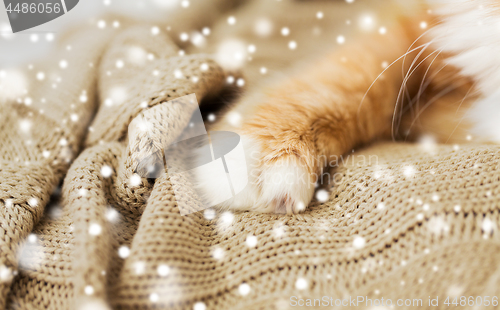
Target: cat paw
x,y
279,180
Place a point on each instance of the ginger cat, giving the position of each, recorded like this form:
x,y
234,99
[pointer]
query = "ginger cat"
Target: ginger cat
x,y
442,80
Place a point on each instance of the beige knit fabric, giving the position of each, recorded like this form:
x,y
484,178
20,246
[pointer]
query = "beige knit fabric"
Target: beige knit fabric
x,y
400,222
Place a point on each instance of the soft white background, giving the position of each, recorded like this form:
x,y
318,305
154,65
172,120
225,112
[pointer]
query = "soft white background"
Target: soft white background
x,y
29,45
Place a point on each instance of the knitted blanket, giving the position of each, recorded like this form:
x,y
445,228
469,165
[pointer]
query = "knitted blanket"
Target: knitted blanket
x,y
399,222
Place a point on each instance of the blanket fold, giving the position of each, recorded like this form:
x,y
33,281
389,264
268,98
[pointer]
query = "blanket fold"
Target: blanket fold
x,y
41,132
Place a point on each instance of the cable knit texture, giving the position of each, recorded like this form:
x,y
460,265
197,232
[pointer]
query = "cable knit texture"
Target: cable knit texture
x,y
399,222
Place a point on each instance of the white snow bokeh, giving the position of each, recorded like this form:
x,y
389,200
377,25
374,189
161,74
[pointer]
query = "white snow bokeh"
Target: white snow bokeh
x,y
218,253
244,289
358,242
13,84
163,270
251,241
231,54
301,284
263,27
124,251
199,306
322,195
31,254
438,225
